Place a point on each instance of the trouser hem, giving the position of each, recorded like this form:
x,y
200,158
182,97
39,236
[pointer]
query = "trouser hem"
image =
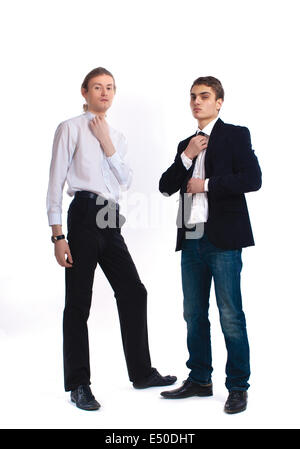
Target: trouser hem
x,y
74,386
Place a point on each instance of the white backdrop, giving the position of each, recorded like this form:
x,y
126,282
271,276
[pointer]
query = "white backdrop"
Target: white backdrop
x,y
155,50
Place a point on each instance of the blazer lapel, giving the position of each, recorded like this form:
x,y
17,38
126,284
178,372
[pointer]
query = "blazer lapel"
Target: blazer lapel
x,y
215,135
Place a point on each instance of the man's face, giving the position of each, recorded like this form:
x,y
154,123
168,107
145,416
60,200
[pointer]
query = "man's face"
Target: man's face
x,y
203,103
100,93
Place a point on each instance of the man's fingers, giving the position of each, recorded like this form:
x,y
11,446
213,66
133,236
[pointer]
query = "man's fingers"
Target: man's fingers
x,y
200,142
69,260
195,185
68,252
61,261
61,253
64,263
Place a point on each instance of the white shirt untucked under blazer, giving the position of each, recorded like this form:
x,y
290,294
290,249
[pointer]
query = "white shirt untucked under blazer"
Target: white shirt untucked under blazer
x,y
77,157
199,210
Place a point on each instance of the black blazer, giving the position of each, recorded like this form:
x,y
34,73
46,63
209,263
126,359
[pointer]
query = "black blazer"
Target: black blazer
x,y
232,169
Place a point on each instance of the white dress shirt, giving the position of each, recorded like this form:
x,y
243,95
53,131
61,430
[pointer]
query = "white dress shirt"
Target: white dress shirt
x,y
78,158
199,209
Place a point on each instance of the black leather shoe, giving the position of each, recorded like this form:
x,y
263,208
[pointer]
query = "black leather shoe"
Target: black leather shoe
x,y
155,380
236,401
84,398
187,390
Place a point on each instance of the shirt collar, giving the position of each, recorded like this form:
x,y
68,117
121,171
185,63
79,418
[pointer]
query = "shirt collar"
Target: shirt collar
x,y
89,115
208,128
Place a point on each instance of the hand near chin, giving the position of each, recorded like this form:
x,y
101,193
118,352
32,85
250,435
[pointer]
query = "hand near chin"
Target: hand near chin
x,y
99,128
195,146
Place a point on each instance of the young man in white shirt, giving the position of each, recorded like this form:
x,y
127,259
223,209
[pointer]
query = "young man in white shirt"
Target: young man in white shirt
x,y
89,155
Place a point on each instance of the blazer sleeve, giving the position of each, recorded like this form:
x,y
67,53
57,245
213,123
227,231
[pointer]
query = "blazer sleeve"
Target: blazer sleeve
x,y
172,179
246,175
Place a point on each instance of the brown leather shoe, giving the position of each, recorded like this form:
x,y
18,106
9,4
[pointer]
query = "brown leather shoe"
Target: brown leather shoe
x,y
187,390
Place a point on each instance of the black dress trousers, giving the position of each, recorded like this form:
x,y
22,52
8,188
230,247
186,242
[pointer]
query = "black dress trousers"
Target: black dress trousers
x,y
90,245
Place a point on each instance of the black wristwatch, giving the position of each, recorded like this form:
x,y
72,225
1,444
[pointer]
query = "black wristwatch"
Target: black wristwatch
x,y
56,238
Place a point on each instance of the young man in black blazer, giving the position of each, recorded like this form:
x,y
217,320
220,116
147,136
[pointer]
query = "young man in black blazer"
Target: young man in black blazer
x,y
213,170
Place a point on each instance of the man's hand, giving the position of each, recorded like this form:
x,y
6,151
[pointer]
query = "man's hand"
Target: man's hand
x,y
99,128
195,185
195,146
61,248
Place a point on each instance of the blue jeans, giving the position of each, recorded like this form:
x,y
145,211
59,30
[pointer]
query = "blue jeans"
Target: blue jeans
x,y
200,262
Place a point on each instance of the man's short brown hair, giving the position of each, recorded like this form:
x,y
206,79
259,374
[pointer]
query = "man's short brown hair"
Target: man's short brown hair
x,y
96,72
212,82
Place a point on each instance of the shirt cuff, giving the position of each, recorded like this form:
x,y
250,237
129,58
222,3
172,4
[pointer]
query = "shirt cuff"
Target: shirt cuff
x,y
54,219
206,185
187,162
114,160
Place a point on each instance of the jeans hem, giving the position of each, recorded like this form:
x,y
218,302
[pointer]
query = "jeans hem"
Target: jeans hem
x,y
237,389
203,384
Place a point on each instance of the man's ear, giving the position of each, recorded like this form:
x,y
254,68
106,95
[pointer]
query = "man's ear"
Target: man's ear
x,y
219,104
83,92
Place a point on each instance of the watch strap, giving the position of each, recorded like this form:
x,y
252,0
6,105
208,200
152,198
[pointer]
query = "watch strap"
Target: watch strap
x,y
55,238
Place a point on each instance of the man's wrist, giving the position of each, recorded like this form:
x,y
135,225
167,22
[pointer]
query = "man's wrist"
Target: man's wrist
x,y
56,230
107,147
188,154
187,162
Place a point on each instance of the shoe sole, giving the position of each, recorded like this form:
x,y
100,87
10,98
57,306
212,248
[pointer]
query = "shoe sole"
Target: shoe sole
x,y
232,412
151,386
87,409
186,397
